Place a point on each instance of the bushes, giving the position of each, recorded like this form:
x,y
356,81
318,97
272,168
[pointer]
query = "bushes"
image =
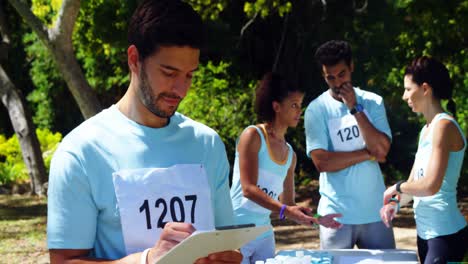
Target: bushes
x,y
12,168
222,101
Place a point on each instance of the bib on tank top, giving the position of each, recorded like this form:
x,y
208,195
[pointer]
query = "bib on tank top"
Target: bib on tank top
x,y
271,175
438,214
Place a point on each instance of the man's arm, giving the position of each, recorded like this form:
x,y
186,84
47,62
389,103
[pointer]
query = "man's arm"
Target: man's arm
x,y
173,234
377,142
317,144
75,256
219,175
327,161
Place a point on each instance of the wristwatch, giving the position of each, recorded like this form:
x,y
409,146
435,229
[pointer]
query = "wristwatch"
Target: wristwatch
x,y
356,109
397,187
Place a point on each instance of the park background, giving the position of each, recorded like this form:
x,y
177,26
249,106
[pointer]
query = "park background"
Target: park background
x,y
62,61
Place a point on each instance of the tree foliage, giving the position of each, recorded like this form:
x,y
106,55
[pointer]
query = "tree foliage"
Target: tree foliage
x,y
248,38
12,167
221,100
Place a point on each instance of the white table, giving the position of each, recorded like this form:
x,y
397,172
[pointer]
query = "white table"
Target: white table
x,y
350,256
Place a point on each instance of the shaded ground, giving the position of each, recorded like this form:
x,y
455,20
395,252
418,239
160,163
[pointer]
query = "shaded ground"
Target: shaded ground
x,y
22,229
289,235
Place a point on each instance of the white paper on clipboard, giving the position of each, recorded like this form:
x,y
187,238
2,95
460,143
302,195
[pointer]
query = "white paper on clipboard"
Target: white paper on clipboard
x,y
201,244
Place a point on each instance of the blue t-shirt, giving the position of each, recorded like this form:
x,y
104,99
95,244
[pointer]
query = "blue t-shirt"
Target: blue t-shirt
x,y
83,212
356,191
438,214
270,179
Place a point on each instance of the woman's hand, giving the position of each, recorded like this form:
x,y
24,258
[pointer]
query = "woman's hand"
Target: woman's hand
x,y
299,214
389,193
388,212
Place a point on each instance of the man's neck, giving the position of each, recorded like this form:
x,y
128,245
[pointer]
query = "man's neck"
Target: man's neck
x,y
131,106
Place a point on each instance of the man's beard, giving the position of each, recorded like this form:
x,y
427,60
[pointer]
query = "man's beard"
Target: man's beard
x,y
336,90
336,93
150,101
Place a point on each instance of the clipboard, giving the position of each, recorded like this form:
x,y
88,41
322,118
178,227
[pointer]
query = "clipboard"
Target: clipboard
x,y
201,244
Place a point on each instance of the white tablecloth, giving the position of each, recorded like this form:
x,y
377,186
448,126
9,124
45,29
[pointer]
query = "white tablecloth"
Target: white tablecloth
x,y
351,256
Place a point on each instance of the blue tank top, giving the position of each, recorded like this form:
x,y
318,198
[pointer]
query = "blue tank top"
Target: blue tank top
x,y
438,215
270,179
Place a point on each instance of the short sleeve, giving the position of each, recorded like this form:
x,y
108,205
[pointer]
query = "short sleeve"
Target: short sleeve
x,y
316,130
224,214
71,213
379,117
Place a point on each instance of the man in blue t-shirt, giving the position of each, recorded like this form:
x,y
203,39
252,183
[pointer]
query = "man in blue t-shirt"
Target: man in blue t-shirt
x,y
347,134
130,183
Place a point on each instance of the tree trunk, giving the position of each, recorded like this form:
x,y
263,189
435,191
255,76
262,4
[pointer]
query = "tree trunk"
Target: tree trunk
x,y
58,41
25,131
71,72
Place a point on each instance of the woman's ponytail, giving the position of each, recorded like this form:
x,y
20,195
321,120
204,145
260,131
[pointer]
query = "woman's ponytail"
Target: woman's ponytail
x,y
452,107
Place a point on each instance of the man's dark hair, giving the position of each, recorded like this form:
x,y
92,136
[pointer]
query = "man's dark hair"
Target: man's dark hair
x,y
157,23
332,52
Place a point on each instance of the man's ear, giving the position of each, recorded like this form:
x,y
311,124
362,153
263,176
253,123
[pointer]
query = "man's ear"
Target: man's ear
x,y
322,70
351,66
133,59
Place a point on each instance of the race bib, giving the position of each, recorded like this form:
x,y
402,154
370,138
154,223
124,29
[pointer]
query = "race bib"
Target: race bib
x,y
421,163
419,173
345,133
269,183
149,198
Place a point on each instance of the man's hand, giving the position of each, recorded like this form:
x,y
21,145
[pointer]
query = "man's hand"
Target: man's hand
x,y
173,233
329,221
377,157
348,95
232,256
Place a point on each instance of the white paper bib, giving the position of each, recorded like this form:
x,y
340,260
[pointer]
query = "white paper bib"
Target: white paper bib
x,y
421,162
269,183
150,197
345,133
418,171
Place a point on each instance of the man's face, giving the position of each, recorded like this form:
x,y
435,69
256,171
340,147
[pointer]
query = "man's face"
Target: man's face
x,y
337,75
165,77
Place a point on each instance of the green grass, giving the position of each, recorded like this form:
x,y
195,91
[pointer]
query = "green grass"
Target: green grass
x,y
23,229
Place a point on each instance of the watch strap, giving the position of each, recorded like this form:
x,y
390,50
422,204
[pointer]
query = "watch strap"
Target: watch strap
x,y
397,186
356,109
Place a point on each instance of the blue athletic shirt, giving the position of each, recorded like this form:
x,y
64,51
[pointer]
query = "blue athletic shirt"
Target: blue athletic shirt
x,y
438,214
245,211
82,208
356,191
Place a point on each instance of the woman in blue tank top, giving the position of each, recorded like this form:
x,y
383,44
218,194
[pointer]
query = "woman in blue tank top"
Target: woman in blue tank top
x,y
263,178
442,229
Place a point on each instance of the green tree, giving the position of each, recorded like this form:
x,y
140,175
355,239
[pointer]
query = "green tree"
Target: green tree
x,y
21,120
58,40
222,101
